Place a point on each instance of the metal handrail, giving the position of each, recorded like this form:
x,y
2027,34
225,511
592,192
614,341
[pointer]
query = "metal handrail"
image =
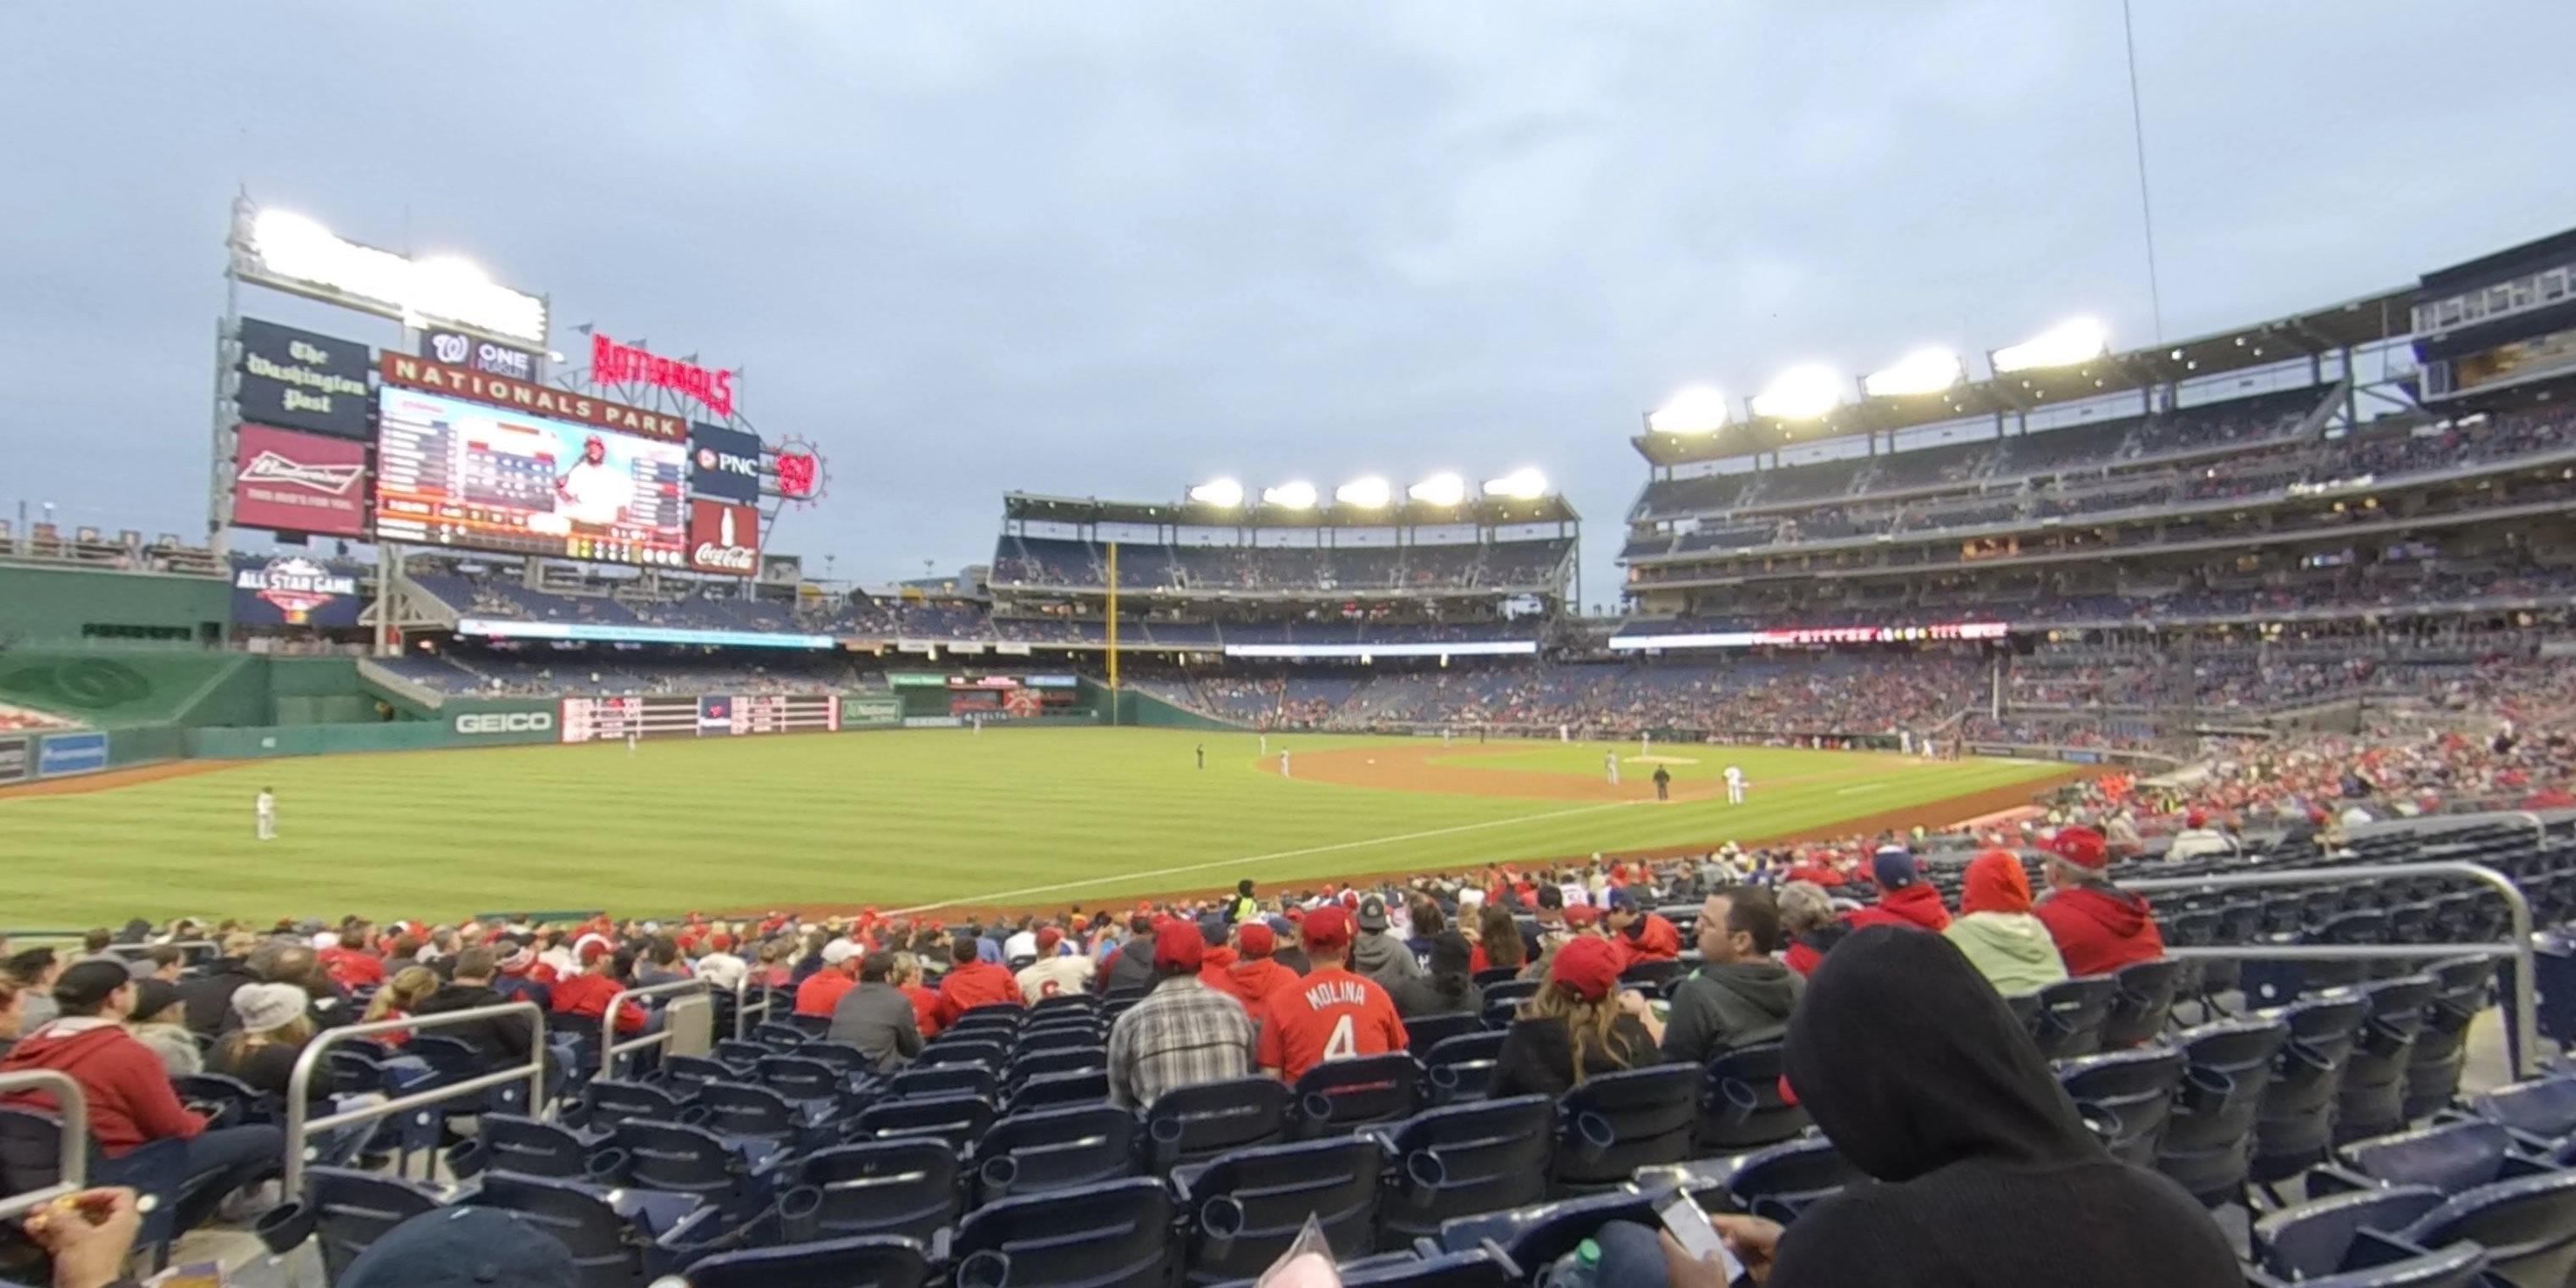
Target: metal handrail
x,y
2525,1032
742,1008
610,1048
299,1084
73,1109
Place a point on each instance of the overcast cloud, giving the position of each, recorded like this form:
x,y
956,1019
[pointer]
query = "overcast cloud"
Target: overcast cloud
x,y
1113,248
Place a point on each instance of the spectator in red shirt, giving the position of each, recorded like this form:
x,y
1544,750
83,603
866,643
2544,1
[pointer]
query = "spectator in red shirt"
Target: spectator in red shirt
x,y
1254,976
1904,897
1639,935
131,1103
1807,917
586,996
973,982
925,1001
822,990
349,966
2099,927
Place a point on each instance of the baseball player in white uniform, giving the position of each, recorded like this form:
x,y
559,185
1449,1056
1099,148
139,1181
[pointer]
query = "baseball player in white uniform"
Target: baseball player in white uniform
x,y
1610,764
1283,764
263,809
1734,785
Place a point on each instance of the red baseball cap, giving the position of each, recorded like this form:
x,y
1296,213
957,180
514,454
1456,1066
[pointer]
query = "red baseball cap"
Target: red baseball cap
x,y
2081,846
2196,818
1048,938
1588,966
1327,927
1581,914
1175,949
1255,939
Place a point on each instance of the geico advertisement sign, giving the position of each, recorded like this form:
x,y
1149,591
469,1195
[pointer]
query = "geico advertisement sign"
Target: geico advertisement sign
x,y
479,722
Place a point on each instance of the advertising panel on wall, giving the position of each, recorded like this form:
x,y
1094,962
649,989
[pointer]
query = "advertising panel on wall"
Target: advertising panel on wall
x,y
302,380
474,353
17,765
724,538
293,590
290,482
457,473
871,713
429,377
724,463
712,715
59,754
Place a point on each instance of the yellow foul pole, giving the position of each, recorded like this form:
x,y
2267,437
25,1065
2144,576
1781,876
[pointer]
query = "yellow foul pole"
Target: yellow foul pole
x,y
1113,632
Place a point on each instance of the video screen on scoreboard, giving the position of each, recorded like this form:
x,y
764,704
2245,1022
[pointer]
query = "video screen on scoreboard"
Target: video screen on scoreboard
x,y
457,473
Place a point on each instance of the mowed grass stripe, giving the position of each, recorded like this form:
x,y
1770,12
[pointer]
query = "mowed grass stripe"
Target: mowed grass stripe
x,y
894,819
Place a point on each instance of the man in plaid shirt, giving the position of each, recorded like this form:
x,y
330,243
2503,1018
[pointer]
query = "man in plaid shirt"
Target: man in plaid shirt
x,y
1183,1034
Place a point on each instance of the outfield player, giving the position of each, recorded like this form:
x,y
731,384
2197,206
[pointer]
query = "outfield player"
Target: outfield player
x,y
1734,785
1202,755
1610,765
631,736
263,810
1265,744
1283,764
1645,744
1331,1014
1663,783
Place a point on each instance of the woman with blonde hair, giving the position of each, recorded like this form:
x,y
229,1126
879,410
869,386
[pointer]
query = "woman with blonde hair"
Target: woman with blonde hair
x,y
1577,1026
399,999
1499,935
1807,917
274,1028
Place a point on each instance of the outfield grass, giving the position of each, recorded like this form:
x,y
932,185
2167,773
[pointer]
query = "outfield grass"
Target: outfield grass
x,y
894,819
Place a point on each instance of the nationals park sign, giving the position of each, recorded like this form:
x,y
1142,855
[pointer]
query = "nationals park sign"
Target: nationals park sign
x,y
501,391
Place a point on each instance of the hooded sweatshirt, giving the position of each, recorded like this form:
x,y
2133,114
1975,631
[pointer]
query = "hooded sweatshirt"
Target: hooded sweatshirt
x,y
1724,1006
130,1100
1984,1175
1251,981
1384,958
1917,905
2100,929
2006,944
1650,938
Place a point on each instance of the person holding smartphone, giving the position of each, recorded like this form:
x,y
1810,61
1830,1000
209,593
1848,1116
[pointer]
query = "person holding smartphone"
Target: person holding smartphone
x,y
1983,1175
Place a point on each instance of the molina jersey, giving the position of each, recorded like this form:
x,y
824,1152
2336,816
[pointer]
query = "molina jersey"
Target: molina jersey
x,y
1331,1014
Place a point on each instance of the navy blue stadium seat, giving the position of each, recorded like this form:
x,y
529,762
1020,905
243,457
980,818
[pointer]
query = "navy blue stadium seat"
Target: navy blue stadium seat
x,y
348,1211
2142,1003
1060,1060
968,1050
1615,1123
798,1078
515,1143
2296,1125
958,1120
1481,1268
2527,1226
2209,1137
743,1109
1479,1156
1058,1037
1461,1068
1056,1090
1740,1102
2316,1237
2449,1157
2136,1089
2387,1262
1117,1235
2542,1111
1424,1032
612,1245
684,1074
1338,1095
1195,1124
873,1262
2460,990
2071,1013
897,1187
1782,1181
687,1160
612,1102
1246,1207
2370,1099
945,1080
1051,1149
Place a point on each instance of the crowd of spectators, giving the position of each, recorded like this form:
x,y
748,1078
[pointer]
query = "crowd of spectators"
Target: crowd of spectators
x,y
1021,561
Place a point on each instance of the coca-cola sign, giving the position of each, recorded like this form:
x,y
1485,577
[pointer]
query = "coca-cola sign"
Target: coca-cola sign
x,y
292,482
724,538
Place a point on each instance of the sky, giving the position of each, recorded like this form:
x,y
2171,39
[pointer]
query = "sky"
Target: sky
x,y
1113,248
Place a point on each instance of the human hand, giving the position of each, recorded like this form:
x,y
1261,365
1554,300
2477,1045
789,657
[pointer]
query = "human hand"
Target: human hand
x,y
89,1235
1754,1241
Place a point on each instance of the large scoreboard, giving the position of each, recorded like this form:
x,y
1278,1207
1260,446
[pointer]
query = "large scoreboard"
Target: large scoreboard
x,y
711,715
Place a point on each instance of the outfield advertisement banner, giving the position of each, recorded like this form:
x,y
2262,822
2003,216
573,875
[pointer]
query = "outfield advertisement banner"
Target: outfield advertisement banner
x,y
711,715
871,713
16,766
61,754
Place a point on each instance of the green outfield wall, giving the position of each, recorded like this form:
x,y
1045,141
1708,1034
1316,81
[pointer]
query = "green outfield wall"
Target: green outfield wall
x,y
67,605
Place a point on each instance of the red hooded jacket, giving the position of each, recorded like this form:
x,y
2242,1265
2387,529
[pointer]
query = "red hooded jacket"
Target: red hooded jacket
x,y
586,997
350,967
2100,930
1251,981
975,984
1917,907
130,1100
1653,939
925,1010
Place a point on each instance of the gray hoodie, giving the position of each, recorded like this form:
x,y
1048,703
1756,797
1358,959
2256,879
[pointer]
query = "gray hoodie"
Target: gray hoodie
x,y
1721,1007
2013,950
1383,957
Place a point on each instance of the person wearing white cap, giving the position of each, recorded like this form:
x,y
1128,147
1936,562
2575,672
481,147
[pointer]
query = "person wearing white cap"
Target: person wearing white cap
x,y
822,990
274,1027
1020,950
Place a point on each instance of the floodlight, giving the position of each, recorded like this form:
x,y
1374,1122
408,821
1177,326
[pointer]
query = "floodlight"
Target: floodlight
x,y
2063,345
1290,496
1696,410
1224,494
1371,493
1924,371
1523,484
1439,489
1802,392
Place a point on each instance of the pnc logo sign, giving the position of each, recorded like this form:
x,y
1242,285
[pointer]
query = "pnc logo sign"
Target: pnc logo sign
x,y
483,722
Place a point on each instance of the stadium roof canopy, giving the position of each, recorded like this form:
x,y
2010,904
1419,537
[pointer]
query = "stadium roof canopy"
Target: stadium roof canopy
x,y
2369,319
1491,512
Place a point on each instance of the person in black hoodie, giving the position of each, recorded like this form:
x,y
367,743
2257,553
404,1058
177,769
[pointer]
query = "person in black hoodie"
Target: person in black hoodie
x,y
209,997
1448,989
1983,1174
1133,967
499,1039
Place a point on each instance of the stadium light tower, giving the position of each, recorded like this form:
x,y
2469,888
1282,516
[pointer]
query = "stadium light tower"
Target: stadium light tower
x,y
1523,484
1696,410
1299,495
1803,392
1371,493
1444,490
2064,345
1224,494
1924,371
